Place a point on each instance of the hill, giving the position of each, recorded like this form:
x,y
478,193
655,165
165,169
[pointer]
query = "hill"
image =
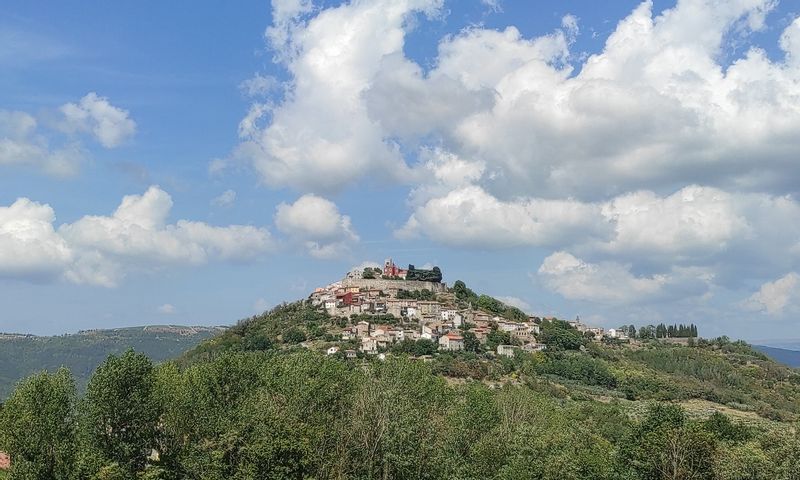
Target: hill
x,y
781,355
304,391
728,375
23,355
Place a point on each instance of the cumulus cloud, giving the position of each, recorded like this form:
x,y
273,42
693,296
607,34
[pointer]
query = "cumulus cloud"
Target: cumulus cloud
x,y
316,223
29,246
657,106
470,216
774,297
110,125
25,142
614,283
320,134
22,144
693,221
100,250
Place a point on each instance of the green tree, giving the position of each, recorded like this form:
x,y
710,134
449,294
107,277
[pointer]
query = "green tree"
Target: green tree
x,y
294,335
562,338
744,462
37,426
471,343
120,412
665,445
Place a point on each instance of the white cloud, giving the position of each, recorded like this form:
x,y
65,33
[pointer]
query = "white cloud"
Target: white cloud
x,y
790,43
656,107
614,283
321,133
470,216
258,85
22,144
316,223
100,250
225,199
110,125
695,220
515,302
167,309
774,297
29,246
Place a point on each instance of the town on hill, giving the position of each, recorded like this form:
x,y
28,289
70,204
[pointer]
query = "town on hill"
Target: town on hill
x,y
380,308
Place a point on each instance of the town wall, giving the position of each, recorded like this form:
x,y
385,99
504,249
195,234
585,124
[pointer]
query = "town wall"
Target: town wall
x,y
382,284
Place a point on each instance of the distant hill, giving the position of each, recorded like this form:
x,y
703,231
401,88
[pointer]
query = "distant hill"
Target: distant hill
x,y
22,355
781,355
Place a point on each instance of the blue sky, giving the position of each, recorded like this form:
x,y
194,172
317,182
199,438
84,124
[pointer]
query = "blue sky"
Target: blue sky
x,y
633,163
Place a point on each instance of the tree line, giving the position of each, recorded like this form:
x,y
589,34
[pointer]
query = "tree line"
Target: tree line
x,y
271,415
660,331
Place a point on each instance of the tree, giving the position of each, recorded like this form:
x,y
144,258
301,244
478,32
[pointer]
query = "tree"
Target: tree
x,y
497,337
120,412
744,462
562,338
294,335
37,426
471,342
665,445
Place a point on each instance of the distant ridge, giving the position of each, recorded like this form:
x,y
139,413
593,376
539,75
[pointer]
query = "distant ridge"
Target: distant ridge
x,y
23,354
785,356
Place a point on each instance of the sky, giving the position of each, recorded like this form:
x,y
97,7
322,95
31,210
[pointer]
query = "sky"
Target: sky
x,y
200,162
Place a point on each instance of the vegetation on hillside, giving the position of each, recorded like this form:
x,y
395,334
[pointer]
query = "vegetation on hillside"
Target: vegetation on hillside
x,y
298,414
82,352
258,402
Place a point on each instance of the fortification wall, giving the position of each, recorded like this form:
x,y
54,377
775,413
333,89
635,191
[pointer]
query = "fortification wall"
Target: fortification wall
x,y
381,284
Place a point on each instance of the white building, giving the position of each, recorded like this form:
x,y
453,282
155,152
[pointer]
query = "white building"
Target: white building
x,y
506,350
332,351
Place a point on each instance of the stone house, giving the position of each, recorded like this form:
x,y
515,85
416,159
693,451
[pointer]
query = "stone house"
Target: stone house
x,y
451,342
369,345
362,329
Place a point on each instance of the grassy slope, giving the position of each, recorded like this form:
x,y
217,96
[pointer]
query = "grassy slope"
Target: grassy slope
x,y
82,352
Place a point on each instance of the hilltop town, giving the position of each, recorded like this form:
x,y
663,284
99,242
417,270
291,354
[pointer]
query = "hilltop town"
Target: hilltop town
x,y
380,307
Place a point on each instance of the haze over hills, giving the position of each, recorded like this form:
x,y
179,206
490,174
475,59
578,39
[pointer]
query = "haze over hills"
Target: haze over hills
x,y
22,355
782,355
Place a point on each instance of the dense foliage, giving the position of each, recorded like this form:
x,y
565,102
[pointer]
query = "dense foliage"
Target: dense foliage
x,y
246,415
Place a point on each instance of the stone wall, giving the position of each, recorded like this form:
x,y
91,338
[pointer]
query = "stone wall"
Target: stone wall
x,y
385,285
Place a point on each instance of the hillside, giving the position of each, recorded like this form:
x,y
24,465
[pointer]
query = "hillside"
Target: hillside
x,y
23,355
781,355
303,391
730,375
